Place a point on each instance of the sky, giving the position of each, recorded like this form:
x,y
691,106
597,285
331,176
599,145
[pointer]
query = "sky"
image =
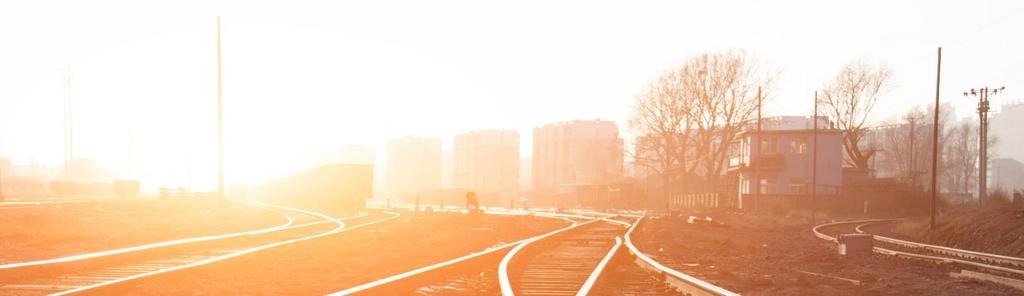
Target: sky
x,y
302,77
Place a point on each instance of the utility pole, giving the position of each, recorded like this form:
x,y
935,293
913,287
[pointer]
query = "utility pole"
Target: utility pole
x,y
911,162
1,182
935,141
220,122
983,95
814,161
757,161
69,154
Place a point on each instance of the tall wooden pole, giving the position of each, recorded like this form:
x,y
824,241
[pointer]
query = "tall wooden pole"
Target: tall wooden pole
x,y
69,154
814,160
757,161
220,122
935,140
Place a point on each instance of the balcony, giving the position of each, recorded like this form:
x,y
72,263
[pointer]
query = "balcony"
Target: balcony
x,y
770,162
737,161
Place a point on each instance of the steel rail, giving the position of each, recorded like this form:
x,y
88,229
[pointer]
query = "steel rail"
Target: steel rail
x,y
909,255
592,279
688,284
137,248
968,254
817,228
341,228
421,270
503,279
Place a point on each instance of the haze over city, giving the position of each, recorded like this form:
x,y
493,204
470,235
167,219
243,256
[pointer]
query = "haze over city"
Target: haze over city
x,y
308,80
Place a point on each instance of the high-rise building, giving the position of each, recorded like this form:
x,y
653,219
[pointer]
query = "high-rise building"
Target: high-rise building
x,y
447,169
578,152
487,161
525,173
1005,127
413,165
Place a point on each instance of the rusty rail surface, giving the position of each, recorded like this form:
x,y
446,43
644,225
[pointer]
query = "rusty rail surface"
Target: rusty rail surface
x,y
682,282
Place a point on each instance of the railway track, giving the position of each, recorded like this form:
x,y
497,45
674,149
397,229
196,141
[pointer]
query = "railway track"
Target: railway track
x,y
589,256
1005,265
471,274
559,265
81,273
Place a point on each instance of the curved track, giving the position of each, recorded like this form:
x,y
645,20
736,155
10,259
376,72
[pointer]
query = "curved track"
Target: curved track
x,y
447,277
921,251
559,265
586,257
91,255
60,277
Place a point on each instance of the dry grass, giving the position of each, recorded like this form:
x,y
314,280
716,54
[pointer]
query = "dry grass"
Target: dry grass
x,y
997,230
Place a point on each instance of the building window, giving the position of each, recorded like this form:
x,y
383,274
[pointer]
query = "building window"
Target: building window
x,y
768,186
797,186
768,145
798,146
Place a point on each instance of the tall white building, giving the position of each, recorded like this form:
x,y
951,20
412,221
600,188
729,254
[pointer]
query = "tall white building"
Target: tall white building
x,y
413,165
1005,126
487,161
578,152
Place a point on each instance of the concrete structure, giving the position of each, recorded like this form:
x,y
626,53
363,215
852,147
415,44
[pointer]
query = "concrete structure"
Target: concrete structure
x,y
334,186
413,165
487,161
578,152
1005,126
781,162
1007,174
525,173
447,169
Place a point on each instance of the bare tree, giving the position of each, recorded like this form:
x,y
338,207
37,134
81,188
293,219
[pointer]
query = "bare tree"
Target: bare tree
x,y
848,101
903,147
686,119
662,119
961,158
724,87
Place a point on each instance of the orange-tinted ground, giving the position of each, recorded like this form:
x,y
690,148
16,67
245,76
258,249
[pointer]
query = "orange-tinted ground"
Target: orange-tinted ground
x,y
54,230
768,255
344,260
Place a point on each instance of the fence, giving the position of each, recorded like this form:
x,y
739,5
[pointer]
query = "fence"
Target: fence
x,y
695,201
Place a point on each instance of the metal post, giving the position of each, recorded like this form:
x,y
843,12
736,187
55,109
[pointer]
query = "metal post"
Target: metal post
x,y
68,132
814,161
220,122
911,164
982,146
935,140
757,161
983,107
1,184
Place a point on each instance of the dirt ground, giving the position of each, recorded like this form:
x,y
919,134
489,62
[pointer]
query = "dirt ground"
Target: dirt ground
x,y
345,260
47,231
764,255
992,230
